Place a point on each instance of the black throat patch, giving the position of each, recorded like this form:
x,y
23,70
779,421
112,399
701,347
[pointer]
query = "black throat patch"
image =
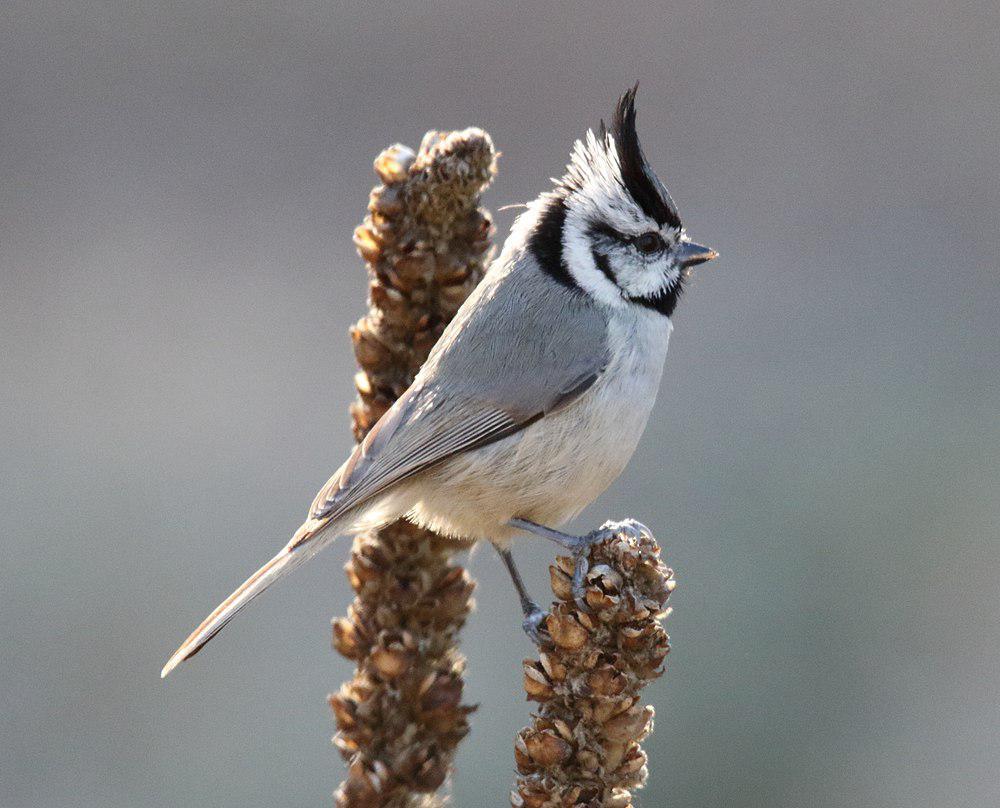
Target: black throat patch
x,y
664,302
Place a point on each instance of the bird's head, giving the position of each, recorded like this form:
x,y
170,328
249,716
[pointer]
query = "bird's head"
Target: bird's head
x,y
609,228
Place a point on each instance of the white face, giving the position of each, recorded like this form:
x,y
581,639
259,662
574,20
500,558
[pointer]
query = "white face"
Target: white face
x,y
610,228
612,248
616,252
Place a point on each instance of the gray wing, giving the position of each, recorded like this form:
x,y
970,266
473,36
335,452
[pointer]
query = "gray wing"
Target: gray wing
x,y
519,348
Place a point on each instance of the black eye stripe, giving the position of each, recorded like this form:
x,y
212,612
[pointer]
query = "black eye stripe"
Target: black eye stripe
x,y
654,239
606,230
603,264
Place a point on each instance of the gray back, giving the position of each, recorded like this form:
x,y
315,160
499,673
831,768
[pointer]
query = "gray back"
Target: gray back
x,y
520,346
520,342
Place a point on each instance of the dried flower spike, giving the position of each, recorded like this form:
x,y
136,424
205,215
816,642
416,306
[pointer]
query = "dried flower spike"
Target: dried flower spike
x,y
582,749
425,240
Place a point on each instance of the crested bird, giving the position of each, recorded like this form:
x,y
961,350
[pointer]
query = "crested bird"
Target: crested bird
x,y
537,393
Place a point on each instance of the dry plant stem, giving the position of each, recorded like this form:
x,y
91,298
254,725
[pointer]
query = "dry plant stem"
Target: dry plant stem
x,y
425,241
582,749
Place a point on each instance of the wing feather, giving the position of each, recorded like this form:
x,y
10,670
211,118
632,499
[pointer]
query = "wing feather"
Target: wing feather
x,y
416,443
499,366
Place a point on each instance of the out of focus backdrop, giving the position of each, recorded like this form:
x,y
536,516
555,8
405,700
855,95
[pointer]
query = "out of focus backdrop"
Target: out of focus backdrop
x,y
178,186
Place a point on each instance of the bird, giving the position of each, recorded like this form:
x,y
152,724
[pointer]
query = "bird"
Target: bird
x,y
536,395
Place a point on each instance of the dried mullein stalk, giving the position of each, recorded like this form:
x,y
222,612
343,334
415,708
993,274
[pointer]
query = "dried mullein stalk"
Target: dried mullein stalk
x,y
425,240
582,749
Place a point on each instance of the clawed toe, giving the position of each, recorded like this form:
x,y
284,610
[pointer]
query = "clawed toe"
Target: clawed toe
x,y
597,536
579,547
532,625
581,565
580,568
630,527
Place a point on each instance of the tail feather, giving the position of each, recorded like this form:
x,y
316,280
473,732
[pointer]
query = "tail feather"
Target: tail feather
x,y
303,546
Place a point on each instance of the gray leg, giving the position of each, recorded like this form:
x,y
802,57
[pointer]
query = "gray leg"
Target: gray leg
x,y
533,616
577,545
566,540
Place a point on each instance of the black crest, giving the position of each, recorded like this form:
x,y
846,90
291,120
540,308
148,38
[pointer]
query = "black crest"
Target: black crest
x,y
637,176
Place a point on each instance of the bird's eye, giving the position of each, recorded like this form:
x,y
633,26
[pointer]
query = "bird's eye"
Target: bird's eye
x,y
649,243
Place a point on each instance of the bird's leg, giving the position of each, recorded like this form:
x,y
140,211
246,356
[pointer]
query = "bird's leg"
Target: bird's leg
x,y
578,545
533,615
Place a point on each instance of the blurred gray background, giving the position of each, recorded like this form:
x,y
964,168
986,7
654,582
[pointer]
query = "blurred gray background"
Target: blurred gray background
x,y
178,186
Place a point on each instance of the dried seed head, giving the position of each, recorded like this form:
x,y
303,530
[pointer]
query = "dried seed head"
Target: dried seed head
x,y
588,680
426,241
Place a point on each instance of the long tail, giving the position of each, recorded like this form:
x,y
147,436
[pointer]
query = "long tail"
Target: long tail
x,y
303,546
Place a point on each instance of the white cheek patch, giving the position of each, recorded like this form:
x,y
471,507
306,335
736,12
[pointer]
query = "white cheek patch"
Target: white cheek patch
x,y
595,193
581,264
603,202
635,276
639,278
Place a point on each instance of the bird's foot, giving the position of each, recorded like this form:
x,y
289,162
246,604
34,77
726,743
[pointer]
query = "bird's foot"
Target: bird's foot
x,y
630,527
580,550
532,624
579,545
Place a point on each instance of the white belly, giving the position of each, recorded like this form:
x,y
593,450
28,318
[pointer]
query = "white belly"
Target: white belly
x,y
558,465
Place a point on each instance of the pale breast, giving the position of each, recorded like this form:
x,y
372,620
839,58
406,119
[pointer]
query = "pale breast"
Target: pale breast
x,y
558,465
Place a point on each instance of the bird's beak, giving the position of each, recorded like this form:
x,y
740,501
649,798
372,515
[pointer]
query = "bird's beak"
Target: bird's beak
x,y
690,254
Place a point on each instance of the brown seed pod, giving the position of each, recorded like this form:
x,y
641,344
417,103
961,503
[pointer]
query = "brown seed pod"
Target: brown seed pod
x,y
545,748
587,682
426,241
